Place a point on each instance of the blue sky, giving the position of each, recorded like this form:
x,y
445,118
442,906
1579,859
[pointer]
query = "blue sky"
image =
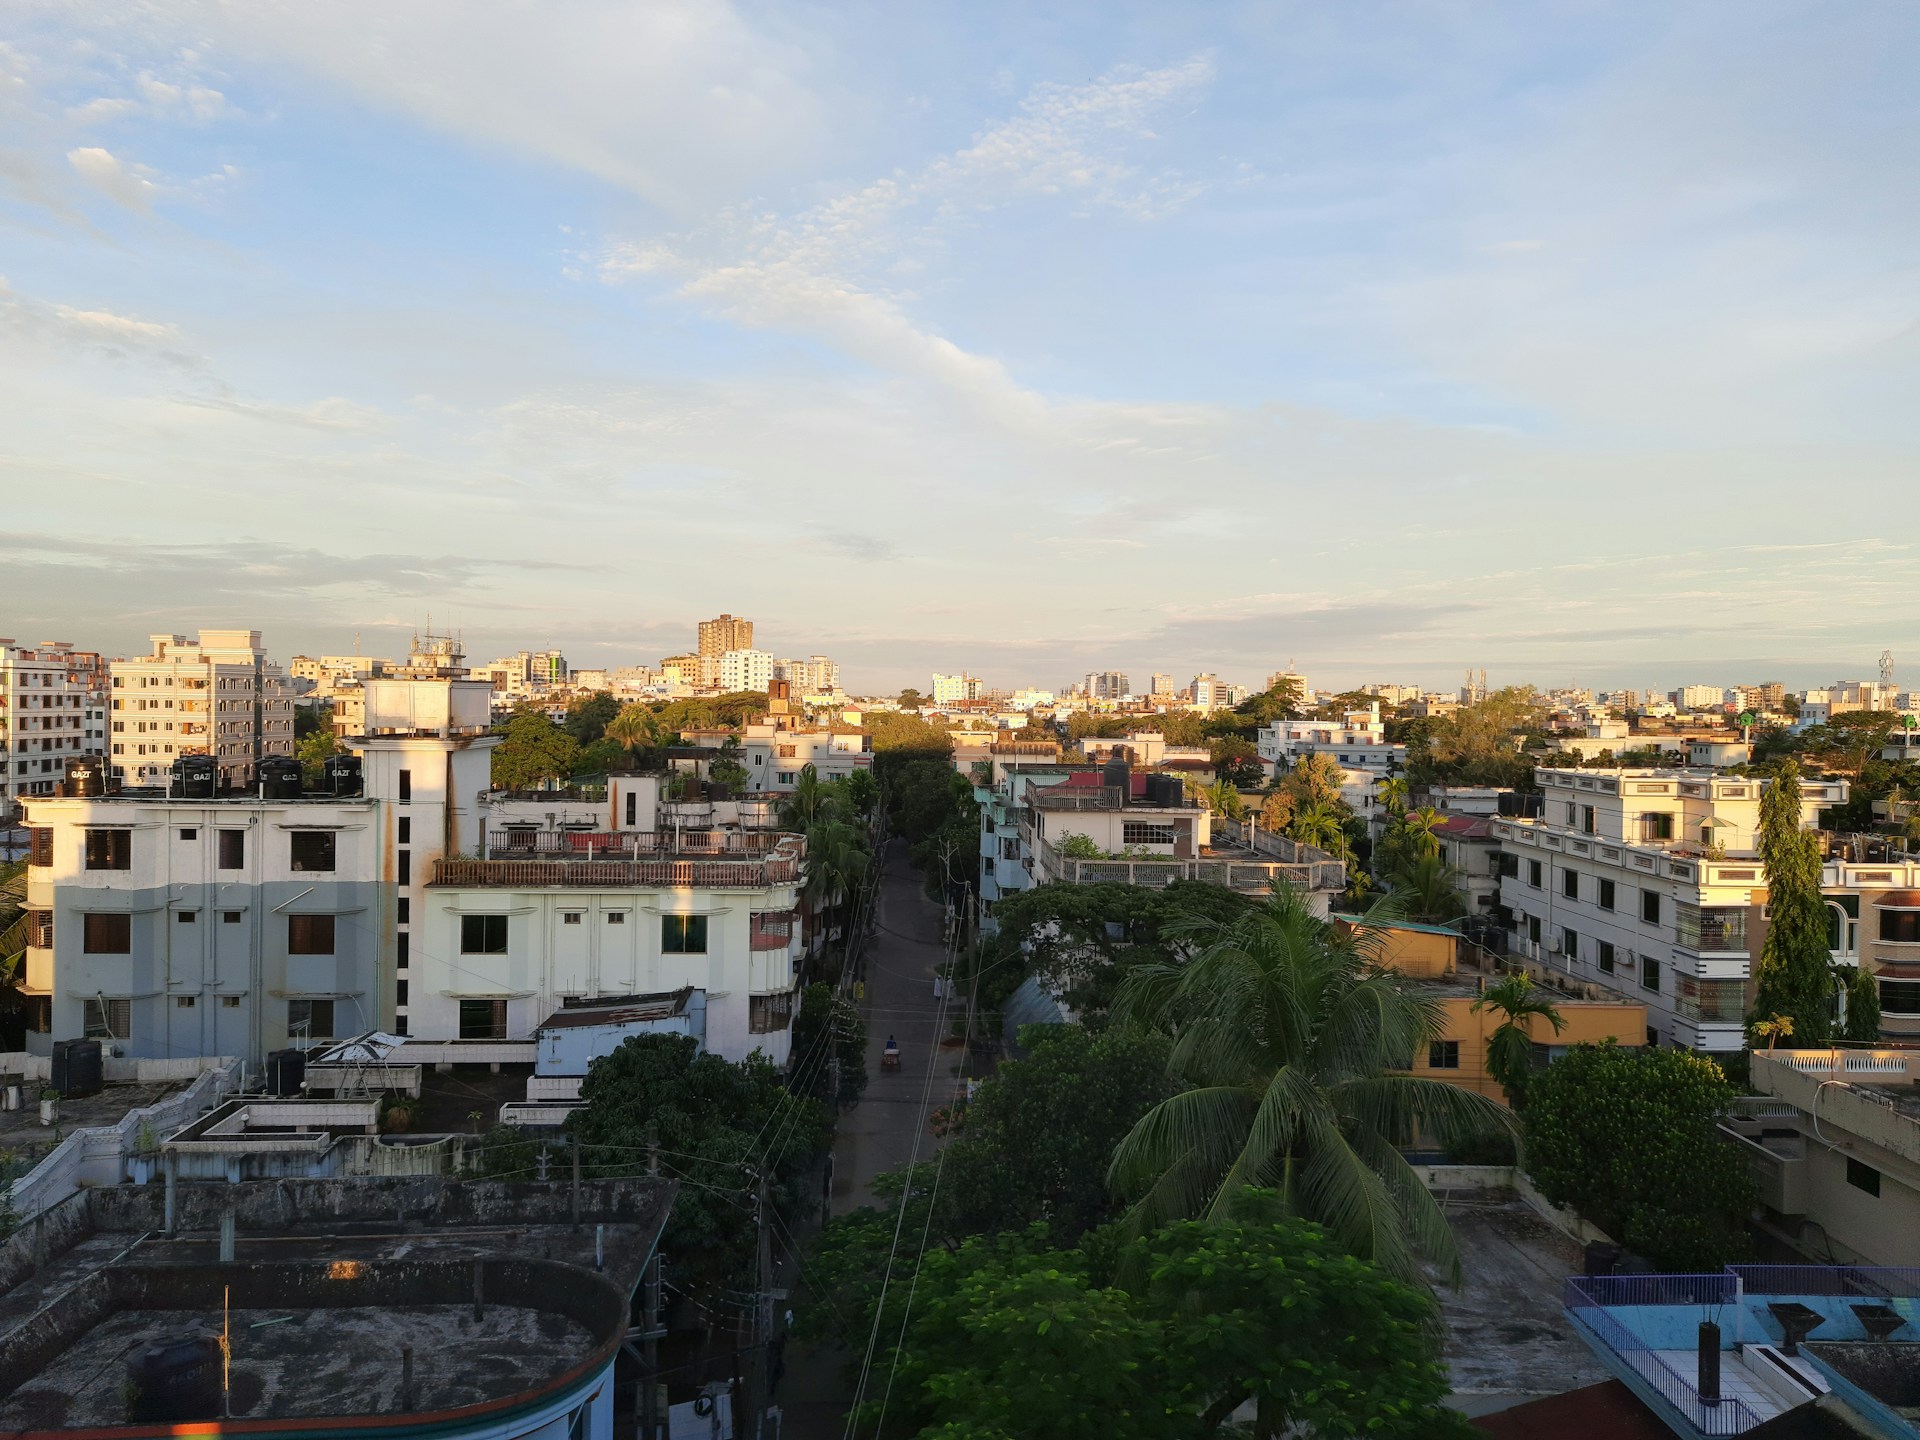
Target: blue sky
x,y
1576,342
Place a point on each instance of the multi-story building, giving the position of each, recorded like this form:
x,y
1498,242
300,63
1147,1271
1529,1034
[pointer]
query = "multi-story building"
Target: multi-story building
x,y
217,696
1107,685
174,927
955,689
1356,741
1700,697
746,669
525,673
727,632
1647,881
815,675
1162,686
1205,692
43,720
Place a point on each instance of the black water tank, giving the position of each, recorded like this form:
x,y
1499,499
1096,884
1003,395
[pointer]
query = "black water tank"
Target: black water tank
x,y
77,1068
342,775
286,1071
1117,774
86,777
278,778
195,777
175,1378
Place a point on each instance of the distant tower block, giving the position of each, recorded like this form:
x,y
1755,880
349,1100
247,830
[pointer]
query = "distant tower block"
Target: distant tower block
x,y
1886,668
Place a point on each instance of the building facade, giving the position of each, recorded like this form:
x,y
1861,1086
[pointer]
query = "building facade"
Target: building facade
x,y
43,720
218,696
726,632
746,669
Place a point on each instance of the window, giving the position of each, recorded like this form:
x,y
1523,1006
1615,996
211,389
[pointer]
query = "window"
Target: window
x,y
767,1013
633,803
1650,906
108,1018
399,992
403,832
1656,825
186,917
785,777
1604,958
683,934
400,949
1533,873
188,832
1443,1055
1863,1177
406,785
483,1019
230,1002
1507,864
1711,927
1533,928
106,934
1570,944
39,844
310,1018
1900,997
1586,819
1570,884
1603,894
403,871
483,934
183,1002
41,935
233,849
1136,832
1649,974
310,935
1900,926
569,917
617,917
1572,811
229,917
403,911
312,849
109,849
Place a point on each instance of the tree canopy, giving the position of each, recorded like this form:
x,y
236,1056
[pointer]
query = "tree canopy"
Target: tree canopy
x,y
588,715
534,752
1477,744
1628,1138
1794,976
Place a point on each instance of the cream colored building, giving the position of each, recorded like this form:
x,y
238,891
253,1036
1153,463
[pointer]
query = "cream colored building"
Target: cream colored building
x,y
43,720
723,633
746,670
218,695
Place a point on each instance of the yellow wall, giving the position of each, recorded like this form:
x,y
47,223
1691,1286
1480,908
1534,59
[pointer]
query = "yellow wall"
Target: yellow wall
x,y
1422,954
1587,1021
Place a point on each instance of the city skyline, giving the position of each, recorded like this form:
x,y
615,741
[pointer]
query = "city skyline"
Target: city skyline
x,y
1395,344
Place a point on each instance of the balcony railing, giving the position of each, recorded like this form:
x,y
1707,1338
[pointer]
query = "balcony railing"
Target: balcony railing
x,y
1587,1299
1244,875
510,844
780,865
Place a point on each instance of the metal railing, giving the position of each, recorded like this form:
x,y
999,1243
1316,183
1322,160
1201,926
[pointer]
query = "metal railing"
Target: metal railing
x,y
510,844
1587,1299
616,874
1877,1281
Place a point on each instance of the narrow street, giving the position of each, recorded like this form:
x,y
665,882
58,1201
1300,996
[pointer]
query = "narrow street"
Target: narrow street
x,y
882,1130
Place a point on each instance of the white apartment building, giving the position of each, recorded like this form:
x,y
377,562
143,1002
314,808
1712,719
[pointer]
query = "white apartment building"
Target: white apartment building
x,y
1205,692
1356,741
746,670
524,673
43,721
774,756
218,696
815,675
173,927
1647,882
1700,697
955,689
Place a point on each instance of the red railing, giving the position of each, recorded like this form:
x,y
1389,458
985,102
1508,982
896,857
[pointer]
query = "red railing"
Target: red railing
x,y
771,931
629,844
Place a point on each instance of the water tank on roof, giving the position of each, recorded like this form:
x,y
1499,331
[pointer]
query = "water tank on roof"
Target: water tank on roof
x,y
175,1378
195,777
279,778
342,775
86,777
77,1068
286,1071
1116,773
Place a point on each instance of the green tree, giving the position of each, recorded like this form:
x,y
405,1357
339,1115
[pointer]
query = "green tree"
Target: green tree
x,y
1392,795
637,728
1035,1141
588,715
313,753
1236,760
718,1126
1478,744
1282,702
1629,1138
837,863
1863,1005
828,1028
1510,1048
911,699
1288,1036
725,768
1223,799
1795,973
534,752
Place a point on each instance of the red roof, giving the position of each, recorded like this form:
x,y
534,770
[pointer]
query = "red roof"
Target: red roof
x,y
1468,826
1607,1411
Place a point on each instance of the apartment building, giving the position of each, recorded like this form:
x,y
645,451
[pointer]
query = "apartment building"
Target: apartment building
x,y
1206,692
746,669
815,675
1700,697
1647,881
217,696
525,673
1161,686
726,632
1107,685
1356,741
955,689
43,720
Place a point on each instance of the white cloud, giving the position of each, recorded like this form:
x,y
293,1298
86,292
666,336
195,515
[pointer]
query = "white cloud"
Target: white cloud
x,y
157,99
105,325
124,184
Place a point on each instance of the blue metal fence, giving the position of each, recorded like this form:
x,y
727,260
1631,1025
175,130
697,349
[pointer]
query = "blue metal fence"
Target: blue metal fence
x,y
1878,1281
1587,1300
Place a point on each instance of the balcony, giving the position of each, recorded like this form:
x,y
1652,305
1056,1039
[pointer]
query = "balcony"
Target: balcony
x,y
1236,869
507,843
677,870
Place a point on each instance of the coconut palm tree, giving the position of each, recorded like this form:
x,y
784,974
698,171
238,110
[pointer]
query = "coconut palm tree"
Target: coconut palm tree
x,y
1392,795
636,728
808,803
1320,825
1224,799
837,861
1427,887
1422,830
1510,1048
1292,1042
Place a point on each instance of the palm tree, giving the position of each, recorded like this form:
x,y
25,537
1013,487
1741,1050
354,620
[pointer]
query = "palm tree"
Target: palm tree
x,y
837,861
1421,828
803,809
1426,886
1224,799
1292,1042
1510,1050
636,728
1392,795
1320,825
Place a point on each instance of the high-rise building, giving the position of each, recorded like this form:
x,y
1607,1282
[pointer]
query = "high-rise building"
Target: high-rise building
x,y
955,689
746,670
217,696
42,719
1162,686
815,675
1700,697
725,633
1107,685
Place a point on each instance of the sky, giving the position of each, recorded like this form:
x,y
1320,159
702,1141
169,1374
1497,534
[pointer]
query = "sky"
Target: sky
x,y
1575,342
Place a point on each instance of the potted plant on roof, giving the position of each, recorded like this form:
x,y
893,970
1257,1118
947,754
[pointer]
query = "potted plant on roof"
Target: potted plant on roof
x,y
146,1153
49,1105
